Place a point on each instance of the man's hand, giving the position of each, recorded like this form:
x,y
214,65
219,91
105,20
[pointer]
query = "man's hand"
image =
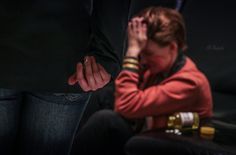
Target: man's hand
x,y
137,36
90,75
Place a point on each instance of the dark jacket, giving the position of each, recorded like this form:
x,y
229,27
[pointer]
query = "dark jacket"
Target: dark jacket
x,y
41,41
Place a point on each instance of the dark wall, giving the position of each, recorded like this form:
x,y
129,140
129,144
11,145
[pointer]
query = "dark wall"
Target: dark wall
x,y
211,40
137,5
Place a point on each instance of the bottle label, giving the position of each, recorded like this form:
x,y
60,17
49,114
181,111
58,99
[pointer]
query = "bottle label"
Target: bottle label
x,y
187,118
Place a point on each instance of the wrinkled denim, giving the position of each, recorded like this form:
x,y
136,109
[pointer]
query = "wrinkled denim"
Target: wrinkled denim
x,y
42,123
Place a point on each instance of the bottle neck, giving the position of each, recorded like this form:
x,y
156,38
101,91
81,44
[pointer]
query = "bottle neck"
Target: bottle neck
x,y
170,122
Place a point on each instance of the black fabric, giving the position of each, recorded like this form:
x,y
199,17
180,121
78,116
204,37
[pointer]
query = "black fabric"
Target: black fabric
x,y
138,5
105,133
210,33
42,40
158,142
109,23
101,99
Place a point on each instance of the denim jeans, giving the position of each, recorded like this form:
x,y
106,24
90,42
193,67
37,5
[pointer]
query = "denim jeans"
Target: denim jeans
x,y
39,123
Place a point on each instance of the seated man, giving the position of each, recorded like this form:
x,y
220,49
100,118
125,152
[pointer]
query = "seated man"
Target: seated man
x,y
157,80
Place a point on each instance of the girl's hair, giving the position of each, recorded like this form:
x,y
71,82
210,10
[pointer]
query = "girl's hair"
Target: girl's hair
x,y
164,25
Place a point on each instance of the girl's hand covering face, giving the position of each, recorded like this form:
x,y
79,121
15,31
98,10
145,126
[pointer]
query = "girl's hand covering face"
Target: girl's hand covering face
x,y
137,34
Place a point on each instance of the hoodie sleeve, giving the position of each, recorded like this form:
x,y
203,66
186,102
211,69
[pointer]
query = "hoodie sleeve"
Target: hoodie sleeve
x,y
172,95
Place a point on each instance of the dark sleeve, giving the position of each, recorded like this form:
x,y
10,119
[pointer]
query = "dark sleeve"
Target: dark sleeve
x,y
109,21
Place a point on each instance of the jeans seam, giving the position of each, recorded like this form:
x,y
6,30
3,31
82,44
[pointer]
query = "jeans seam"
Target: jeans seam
x,y
76,128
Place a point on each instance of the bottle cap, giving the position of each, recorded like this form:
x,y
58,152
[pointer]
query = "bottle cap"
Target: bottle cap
x,y
206,130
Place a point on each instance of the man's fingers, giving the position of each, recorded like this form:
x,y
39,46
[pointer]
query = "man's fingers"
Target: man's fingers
x,y
90,76
81,79
89,73
72,79
96,73
105,76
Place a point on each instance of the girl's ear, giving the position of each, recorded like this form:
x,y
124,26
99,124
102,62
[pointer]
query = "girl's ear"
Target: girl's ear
x,y
173,47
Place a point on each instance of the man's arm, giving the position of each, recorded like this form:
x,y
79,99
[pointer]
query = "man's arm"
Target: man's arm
x,y
109,22
108,25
